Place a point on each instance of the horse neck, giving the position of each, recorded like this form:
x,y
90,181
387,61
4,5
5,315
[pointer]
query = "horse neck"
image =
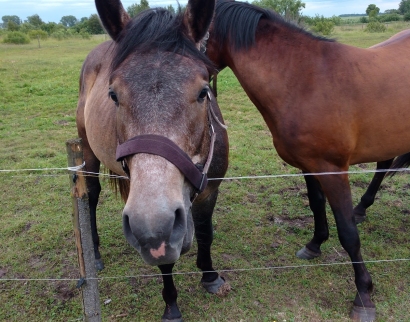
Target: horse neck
x,y
281,61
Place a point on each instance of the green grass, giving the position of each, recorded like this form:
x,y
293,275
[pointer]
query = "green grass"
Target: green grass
x,y
354,34
258,223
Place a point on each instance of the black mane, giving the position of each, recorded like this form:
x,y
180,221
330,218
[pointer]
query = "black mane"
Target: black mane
x,y
237,22
156,29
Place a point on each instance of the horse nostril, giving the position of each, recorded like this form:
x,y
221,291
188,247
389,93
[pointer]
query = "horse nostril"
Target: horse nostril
x,y
179,219
127,230
126,223
179,227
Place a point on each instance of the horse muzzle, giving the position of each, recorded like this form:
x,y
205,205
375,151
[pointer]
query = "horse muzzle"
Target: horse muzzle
x,y
171,237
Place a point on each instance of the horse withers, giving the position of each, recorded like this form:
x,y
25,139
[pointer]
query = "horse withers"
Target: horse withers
x,y
146,111
327,105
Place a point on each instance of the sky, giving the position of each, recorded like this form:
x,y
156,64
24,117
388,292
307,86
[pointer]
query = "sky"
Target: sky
x,y
53,10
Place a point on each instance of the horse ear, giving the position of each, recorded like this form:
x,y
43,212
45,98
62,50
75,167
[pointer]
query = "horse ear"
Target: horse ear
x,y
198,17
113,16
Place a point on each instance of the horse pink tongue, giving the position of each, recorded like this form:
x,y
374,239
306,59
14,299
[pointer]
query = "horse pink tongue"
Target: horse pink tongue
x,y
157,253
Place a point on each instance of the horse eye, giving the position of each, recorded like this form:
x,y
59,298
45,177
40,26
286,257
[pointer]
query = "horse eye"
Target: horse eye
x,y
202,95
113,96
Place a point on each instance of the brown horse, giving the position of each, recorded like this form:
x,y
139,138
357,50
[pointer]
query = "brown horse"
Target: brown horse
x,y
402,161
327,105
146,111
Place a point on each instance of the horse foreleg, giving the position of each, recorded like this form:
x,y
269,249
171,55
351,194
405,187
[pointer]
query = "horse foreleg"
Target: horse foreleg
x,y
92,164
337,191
94,189
317,203
368,198
169,294
202,215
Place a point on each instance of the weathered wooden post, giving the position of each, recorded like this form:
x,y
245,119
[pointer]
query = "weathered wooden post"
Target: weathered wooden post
x,y
82,231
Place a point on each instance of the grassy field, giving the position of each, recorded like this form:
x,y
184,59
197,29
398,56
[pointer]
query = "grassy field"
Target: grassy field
x,y
258,223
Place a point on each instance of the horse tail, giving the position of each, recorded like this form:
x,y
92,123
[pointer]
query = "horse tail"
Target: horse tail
x,y
120,185
402,161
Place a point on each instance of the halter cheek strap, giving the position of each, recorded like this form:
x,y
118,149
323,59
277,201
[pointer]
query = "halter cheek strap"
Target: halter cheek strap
x,y
164,147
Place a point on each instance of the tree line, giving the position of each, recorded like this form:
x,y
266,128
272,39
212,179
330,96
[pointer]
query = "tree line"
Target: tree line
x,y
35,28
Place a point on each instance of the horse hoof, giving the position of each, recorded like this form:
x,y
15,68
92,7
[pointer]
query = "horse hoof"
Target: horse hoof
x,y
359,213
363,314
306,253
171,320
99,265
218,287
359,218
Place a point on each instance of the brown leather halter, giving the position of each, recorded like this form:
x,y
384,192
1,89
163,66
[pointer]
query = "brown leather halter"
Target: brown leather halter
x,y
164,147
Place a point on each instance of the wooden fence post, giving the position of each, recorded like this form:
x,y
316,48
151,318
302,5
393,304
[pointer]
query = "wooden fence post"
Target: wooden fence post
x,y
82,231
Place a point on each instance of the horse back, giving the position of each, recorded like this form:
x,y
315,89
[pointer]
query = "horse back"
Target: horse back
x,y
398,39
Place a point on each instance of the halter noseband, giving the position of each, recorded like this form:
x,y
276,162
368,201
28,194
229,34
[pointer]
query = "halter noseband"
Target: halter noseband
x,y
164,147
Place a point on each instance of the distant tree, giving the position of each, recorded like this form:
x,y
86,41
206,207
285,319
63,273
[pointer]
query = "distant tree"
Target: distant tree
x,y
68,21
320,24
39,35
364,19
26,27
291,9
375,26
404,7
389,17
50,27
35,20
81,25
15,19
372,11
12,26
136,8
16,37
391,11
94,26
171,9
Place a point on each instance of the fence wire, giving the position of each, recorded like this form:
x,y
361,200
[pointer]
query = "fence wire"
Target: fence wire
x,y
77,169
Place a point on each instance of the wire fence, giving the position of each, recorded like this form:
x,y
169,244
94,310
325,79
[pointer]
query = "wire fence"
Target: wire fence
x,y
60,172
96,174
77,169
235,270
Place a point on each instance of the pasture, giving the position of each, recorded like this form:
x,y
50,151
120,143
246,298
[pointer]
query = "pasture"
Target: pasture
x,y
259,223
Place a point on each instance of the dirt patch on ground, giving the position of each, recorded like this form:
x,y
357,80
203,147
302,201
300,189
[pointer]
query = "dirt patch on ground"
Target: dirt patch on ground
x,y
38,264
65,291
299,222
294,190
62,123
337,255
3,271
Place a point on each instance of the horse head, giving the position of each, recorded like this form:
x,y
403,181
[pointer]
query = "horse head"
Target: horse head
x,y
159,87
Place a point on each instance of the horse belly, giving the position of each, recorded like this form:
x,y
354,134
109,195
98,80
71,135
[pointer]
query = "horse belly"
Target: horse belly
x,y
388,139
